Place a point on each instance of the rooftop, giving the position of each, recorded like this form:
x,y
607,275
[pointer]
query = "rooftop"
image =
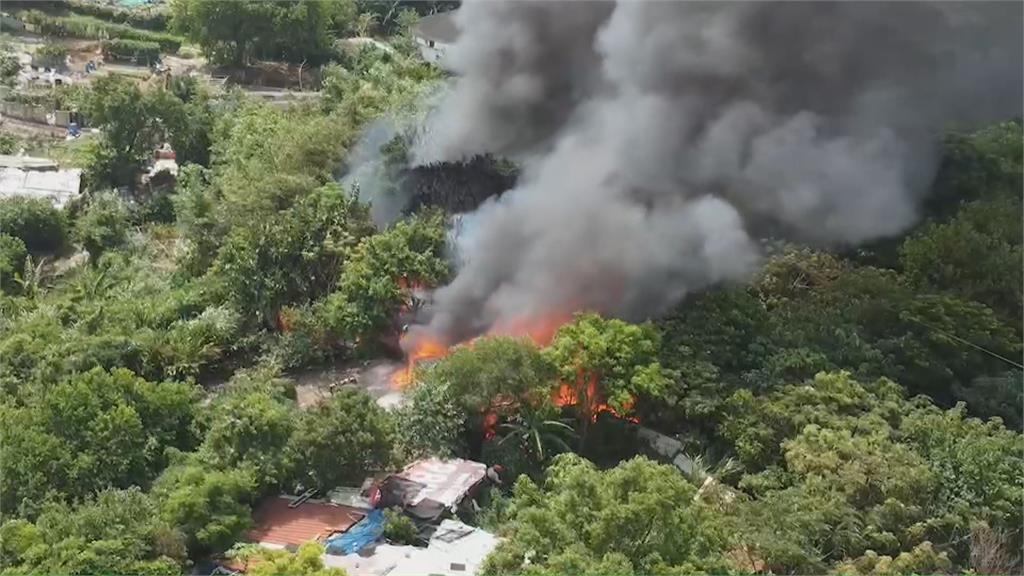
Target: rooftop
x,y
438,27
57,186
276,523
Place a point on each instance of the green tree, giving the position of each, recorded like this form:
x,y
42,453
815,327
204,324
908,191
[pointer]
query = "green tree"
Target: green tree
x,y
12,262
211,507
430,423
976,255
984,163
9,65
294,257
236,32
639,516
851,470
306,561
249,426
493,370
538,436
187,117
399,529
117,532
35,221
127,119
607,361
340,441
265,160
103,226
91,431
370,289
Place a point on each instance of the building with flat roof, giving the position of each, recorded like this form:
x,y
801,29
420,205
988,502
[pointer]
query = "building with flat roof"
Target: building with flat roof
x,y
434,34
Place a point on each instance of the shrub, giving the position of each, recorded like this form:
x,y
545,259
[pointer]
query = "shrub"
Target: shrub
x,y
76,26
12,259
146,18
133,50
103,226
399,529
36,222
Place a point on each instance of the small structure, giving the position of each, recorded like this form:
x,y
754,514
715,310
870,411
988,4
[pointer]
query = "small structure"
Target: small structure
x,y
426,489
278,525
434,34
455,549
163,171
57,186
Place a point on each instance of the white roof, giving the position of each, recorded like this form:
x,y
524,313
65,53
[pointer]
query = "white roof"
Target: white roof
x,y
455,549
58,186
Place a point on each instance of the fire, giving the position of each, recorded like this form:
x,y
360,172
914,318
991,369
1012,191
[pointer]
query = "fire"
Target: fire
x,y
491,420
541,330
426,349
567,395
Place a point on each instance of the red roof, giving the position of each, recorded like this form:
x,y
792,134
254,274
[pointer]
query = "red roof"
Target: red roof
x,y
276,523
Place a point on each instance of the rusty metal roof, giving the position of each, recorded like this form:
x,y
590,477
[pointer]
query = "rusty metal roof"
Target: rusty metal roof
x,y
276,523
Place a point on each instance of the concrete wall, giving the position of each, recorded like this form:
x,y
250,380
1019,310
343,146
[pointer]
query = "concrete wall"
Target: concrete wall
x,y
36,114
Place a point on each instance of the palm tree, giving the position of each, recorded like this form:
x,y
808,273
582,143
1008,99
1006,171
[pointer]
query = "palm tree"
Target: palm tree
x,y
537,437
365,24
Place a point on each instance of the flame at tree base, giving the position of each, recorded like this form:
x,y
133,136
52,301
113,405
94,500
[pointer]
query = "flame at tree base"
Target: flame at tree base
x,y
423,347
567,395
541,330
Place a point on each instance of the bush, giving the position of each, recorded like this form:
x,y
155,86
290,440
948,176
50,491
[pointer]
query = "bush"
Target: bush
x,y
149,19
399,529
103,226
76,26
12,259
36,222
51,54
133,50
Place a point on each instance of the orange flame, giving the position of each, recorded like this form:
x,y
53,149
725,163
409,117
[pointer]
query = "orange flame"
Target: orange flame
x,y
541,330
568,395
490,424
426,349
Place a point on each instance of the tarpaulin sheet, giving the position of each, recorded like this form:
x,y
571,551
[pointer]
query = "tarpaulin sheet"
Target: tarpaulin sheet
x,y
367,531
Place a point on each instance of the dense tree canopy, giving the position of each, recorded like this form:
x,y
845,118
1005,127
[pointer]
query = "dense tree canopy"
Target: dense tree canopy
x,y
640,517
237,32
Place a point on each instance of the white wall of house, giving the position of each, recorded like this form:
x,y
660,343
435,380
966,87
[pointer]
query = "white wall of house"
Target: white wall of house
x,y
430,50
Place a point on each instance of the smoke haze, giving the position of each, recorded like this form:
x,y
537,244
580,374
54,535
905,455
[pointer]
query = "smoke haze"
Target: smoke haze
x,y
659,139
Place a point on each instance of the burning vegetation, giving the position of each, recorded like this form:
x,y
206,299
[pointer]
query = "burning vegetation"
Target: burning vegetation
x,y
580,348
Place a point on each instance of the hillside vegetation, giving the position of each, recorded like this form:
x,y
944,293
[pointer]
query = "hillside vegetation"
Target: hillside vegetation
x,y
850,411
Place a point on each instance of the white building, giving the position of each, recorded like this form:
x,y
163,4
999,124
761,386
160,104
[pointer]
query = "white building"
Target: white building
x,y
23,176
434,34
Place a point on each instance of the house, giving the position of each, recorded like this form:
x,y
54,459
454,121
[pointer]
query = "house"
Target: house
x,y
434,34
428,488
277,523
57,186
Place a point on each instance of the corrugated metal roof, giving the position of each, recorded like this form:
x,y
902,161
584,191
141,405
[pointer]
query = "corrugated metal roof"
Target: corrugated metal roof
x,y
444,481
276,523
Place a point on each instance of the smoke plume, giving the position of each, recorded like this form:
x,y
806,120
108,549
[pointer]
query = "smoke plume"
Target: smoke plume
x,y
660,140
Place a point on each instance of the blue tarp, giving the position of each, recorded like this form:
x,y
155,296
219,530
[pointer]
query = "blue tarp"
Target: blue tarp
x,y
365,532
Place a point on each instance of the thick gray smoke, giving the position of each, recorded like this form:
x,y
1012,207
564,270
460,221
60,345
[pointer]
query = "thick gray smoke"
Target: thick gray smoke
x,y
661,139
